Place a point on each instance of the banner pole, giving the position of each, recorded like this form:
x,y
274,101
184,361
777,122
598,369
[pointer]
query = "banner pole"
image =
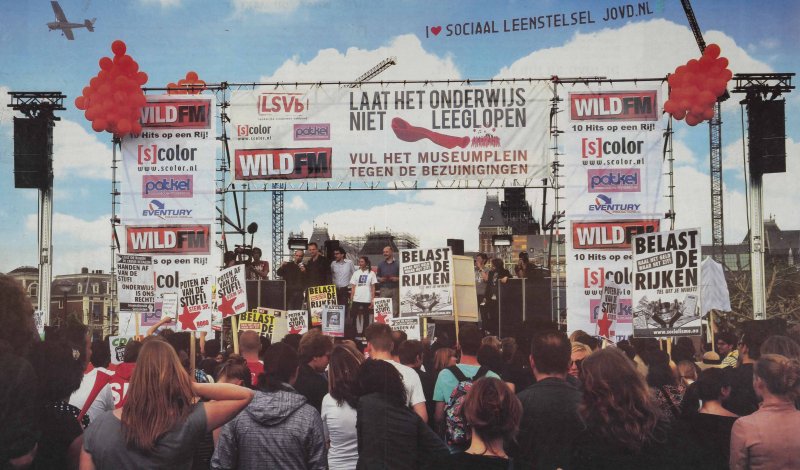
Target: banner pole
x,y
192,354
137,316
424,327
711,327
235,334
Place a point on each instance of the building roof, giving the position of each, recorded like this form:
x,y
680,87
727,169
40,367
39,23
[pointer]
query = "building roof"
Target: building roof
x,y
492,214
25,270
780,242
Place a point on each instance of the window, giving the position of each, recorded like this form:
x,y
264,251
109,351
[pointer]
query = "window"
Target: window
x,y
33,290
95,288
80,288
60,304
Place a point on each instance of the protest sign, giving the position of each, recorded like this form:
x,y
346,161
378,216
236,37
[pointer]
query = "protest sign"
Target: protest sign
x,y
319,297
426,282
296,322
666,284
382,310
261,320
607,316
431,331
195,303
410,325
117,348
231,291
135,281
333,320
38,320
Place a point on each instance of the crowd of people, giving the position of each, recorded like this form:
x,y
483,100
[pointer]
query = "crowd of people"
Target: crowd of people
x,y
540,400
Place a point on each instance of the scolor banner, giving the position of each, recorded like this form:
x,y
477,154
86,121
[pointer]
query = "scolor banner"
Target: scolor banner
x,y
395,132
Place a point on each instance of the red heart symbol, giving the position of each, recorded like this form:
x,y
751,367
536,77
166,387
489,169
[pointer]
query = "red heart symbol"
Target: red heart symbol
x,y
436,30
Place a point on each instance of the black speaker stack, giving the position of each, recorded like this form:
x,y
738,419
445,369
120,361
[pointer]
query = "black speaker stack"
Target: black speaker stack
x,y
767,136
33,164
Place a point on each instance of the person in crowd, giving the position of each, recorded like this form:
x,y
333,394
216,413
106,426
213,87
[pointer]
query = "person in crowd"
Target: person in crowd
x,y
624,427
278,429
398,337
516,368
707,431
212,358
710,359
579,352
293,273
783,345
643,346
493,341
410,354
442,359
317,269
379,346
768,438
101,354
362,285
339,408
493,413
481,278
389,278
120,381
491,358
315,351
160,425
94,396
687,372
524,268
235,371
389,434
683,350
293,340
498,275
342,270
250,348
257,269
447,381
59,373
726,348
743,399
626,347
666,389
550,418
589,341
19,428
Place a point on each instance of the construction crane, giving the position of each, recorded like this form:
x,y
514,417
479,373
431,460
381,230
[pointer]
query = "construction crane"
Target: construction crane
x,y
715,153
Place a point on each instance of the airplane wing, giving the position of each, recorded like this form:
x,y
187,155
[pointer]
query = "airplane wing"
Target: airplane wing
x,y
59,12
68,33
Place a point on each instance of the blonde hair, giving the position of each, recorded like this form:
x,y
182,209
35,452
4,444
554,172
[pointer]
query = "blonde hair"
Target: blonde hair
x,y
493,341
160,395
580,347
780,374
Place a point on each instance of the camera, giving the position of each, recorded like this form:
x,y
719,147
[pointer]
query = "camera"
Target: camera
x,y
244,254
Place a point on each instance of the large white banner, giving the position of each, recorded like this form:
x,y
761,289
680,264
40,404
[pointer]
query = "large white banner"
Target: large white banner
x,y
395,132
613,167
426,282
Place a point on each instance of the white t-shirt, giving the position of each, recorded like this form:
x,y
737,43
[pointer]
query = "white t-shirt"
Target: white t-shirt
x,y
412,382
103,402
363,280
339,424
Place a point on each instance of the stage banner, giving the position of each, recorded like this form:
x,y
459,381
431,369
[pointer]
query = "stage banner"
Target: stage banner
x,y
426,282
135,283
613,190
410,325
195,304
232,297
382,310
167,189
666,284
318,298
329,134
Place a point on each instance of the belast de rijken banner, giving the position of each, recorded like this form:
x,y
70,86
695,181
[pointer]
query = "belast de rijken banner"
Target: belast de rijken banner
x,y
613,167
426,282
167,189
393,132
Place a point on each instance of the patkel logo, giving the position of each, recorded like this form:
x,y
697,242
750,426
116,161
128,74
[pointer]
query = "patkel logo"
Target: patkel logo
x,y
599,147
150,154
625,180
243,130
168,186
184,239
312,132
595,278
282,103
603,203
177,113
158,209
624,106
624,310
301,163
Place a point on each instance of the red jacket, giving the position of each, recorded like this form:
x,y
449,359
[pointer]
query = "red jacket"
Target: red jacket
x,y
119,383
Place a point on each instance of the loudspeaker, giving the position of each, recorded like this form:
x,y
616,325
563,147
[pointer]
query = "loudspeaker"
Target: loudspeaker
x,y
32,164
767,136
456,245
268,294
330,246
511,306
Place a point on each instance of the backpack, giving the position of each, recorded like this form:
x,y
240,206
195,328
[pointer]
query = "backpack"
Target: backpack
x,y
456,431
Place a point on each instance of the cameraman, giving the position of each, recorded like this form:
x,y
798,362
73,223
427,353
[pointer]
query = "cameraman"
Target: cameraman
x,y
257,269
293,272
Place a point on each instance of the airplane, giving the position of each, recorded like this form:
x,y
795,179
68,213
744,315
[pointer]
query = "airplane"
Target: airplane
x,y
65,26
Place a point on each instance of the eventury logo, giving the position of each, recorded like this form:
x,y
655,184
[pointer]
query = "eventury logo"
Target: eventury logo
x,y
167,186
614,180
603,203
312,132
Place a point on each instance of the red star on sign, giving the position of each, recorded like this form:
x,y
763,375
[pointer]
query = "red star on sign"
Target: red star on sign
x,y
187,319
381,318
295,330
604,324
226,306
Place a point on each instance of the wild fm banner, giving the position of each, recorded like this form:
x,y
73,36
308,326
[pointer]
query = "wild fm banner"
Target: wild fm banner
x,y
666,284
395,132
613,166
426,282
167,190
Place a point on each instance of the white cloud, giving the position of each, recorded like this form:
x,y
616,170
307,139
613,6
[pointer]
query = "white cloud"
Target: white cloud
x,y
77,243
6,113
412,59
77,153
270,6
162,3
297,203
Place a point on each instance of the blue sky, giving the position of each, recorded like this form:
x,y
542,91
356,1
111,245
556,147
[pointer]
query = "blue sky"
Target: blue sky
x,y
317,40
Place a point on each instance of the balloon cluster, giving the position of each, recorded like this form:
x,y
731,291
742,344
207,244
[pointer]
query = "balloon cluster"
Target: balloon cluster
x,y
695,87
114,99
191,85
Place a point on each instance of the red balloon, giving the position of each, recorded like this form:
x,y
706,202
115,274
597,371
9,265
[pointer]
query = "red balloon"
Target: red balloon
x,y
136,127
708,113
679,114
124,126
87,91
718,87
669,106
118,47
692,120
79,103
693,66
132,67
105,63
698,109
684,104
99,124
723,61
104,75
141,78
191,76
95,82
680,70
706,98
712,51
726,74
674,80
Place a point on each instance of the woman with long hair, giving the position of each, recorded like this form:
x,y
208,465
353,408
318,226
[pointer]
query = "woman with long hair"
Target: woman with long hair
x,y
278,429
580,352
442,359
493,413
624,426
339,407
362,290
768,438
665,386
390,435
160,424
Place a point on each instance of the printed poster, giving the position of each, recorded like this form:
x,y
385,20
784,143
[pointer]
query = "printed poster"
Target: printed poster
x,y
666,284
261,320
117,347
382,310
333,320
195,304
296,322
410,325
607,317
426,282
232,297
135,283
318,298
